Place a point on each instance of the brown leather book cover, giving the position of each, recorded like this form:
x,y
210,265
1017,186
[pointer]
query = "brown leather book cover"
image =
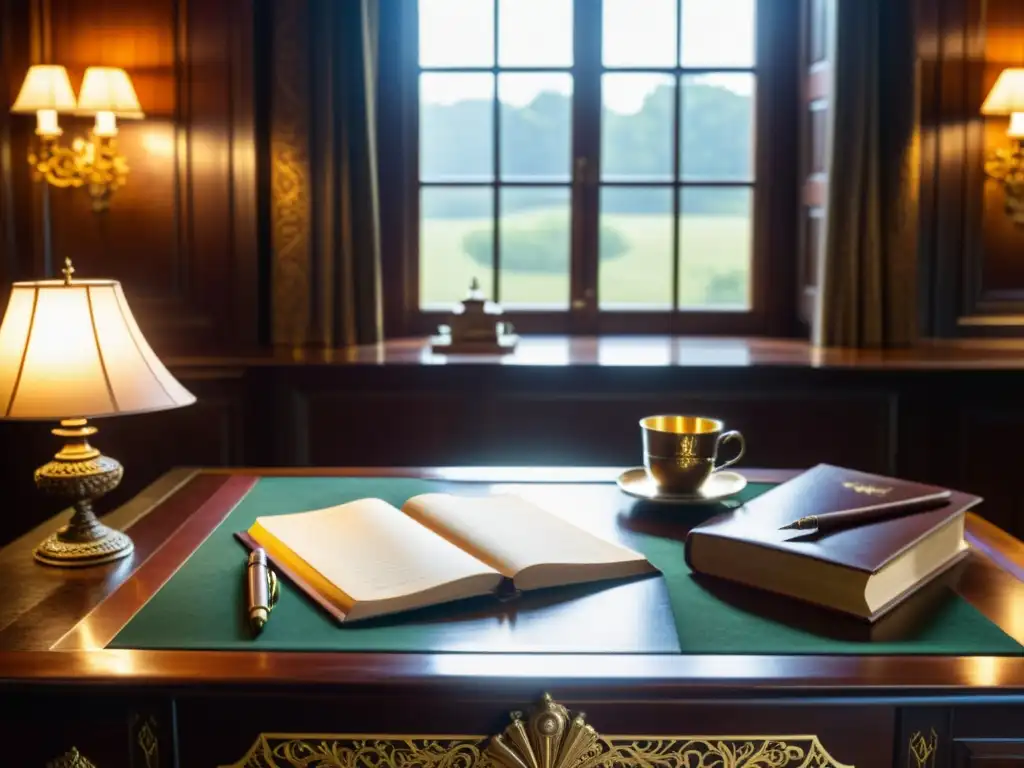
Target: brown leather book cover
x,y
826,488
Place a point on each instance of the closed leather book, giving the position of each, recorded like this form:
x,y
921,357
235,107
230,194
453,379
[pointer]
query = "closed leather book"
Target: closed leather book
x,y
863,570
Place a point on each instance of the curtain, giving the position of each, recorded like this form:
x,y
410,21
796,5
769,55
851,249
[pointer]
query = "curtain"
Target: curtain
x,y
346,279
869,262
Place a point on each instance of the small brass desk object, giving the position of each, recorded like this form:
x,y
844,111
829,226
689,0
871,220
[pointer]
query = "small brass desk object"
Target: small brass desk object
x,y
70,350
476,326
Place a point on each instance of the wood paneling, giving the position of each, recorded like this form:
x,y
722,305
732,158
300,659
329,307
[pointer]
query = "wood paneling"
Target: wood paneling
x,y
1002,422
136,241
970,248
813,234
181,234
1002,269
817,57
985,737
18,220
339,427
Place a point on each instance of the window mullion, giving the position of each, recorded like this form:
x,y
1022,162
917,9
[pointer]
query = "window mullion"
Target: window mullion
x,y
677,163
496,200
586,163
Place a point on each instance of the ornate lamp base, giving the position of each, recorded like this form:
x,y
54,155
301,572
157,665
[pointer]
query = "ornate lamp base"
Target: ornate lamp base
x,y
80,475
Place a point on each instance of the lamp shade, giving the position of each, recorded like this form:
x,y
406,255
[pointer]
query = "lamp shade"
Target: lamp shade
x,y
1007,95
108,89
74,350
46,86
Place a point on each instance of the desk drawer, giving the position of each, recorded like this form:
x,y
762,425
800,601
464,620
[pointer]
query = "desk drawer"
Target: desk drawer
x,y
271,732
83,728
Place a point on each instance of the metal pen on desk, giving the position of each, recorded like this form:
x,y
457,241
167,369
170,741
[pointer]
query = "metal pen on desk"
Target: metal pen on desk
x,y
262,591
831,521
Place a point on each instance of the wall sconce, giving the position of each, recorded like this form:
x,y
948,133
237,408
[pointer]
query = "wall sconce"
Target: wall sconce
x,y
1007,165
95,163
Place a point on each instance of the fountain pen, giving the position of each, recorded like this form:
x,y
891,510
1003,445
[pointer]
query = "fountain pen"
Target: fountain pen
x,y
831,521
262,591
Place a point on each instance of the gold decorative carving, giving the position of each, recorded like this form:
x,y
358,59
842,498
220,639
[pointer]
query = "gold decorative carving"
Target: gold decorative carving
x,y
922,749
289,178
273,750
95,163
1006,166
723,752
867,490
550,737
72,759
148,743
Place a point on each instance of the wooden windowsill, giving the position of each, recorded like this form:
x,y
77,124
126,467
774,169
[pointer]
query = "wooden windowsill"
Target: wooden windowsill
x,y
651,351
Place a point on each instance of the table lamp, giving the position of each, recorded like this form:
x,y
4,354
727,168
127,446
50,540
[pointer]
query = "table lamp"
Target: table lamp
x,y
70,350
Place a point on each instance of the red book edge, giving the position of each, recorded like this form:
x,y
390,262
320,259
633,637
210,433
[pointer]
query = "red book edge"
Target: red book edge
x,y
297,581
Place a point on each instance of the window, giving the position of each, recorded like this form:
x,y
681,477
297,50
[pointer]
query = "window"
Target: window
x,y
595,164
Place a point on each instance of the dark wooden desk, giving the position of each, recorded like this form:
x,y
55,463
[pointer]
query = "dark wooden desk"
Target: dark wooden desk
x,y
191,708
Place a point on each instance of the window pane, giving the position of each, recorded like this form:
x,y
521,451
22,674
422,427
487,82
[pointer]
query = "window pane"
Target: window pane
x,y
715,248
456,33
635,269
535,237
456,127
536,122
535,33
718,127
639,33
456,243
636,127
718,33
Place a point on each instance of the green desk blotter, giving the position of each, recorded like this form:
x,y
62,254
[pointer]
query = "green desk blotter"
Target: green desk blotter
x,y
202,605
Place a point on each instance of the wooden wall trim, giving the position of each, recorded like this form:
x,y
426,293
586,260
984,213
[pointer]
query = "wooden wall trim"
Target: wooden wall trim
x,y
17,222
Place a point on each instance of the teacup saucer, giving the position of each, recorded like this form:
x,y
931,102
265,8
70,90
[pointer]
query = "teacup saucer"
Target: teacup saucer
x,y
721,485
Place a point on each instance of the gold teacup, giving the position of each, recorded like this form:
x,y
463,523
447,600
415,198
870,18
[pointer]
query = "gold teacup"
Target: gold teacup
x,y
680,451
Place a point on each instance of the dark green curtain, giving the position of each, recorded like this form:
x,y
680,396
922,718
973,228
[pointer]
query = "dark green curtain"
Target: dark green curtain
x,y
344,185
869,270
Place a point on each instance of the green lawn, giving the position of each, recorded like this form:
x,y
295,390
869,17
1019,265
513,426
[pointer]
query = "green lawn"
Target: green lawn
x,y
714,262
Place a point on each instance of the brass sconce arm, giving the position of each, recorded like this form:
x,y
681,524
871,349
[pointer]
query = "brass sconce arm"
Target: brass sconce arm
x,y
1006,166
94,163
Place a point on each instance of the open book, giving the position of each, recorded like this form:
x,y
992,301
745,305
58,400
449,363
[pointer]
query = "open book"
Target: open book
x,y
366,558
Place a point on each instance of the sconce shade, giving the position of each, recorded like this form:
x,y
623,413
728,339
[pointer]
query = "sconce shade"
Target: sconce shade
x,y
74,350
46,86
1007,95
108,89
